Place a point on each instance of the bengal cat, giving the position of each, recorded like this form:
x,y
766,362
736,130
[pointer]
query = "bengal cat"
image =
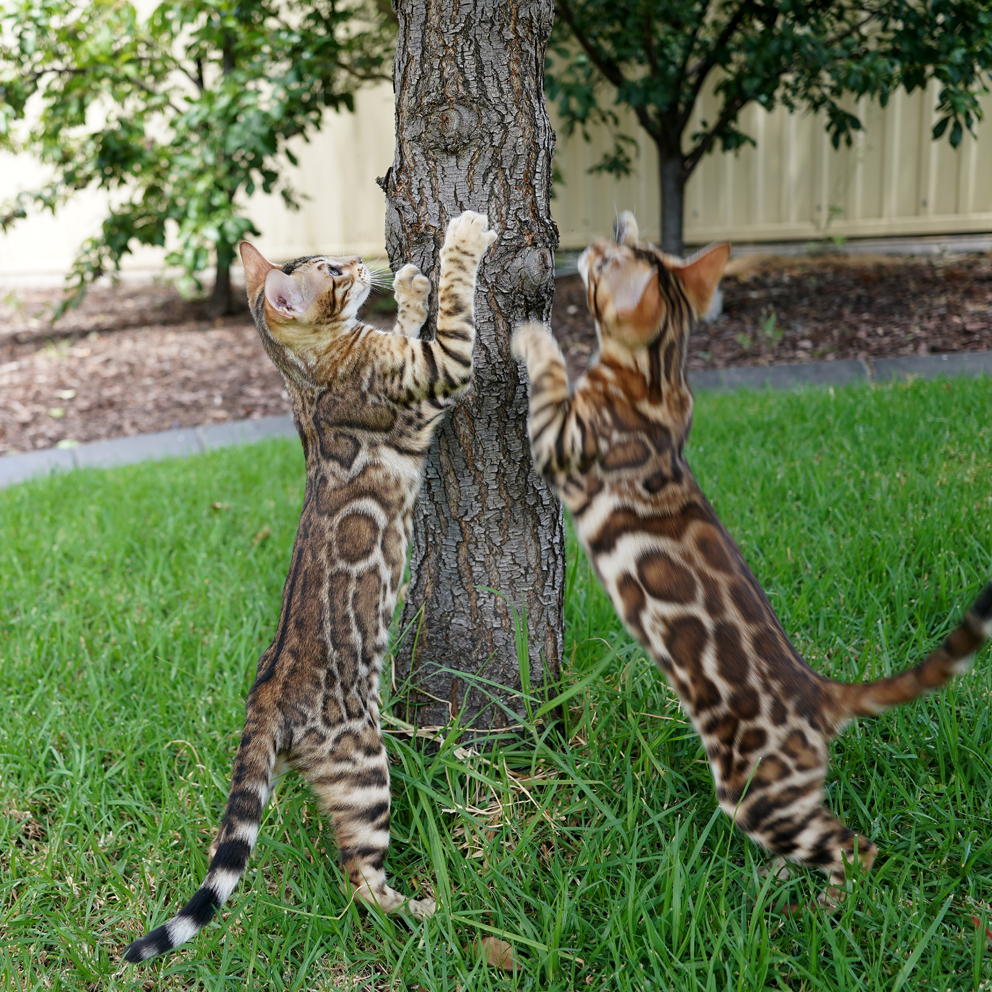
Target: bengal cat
x,y
613,448
366,404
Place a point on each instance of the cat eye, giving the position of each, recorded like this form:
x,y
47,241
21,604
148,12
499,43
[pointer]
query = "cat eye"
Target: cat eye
x,y
331,270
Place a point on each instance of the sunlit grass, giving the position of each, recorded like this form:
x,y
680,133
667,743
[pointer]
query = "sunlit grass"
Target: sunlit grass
x,y
135,604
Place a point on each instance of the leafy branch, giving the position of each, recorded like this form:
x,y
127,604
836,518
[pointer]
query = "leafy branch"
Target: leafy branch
x,y
182,113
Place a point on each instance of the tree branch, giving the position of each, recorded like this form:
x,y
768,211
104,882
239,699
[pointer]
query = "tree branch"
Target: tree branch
x,y
69,71
366,76
830,42
605,65
683,71
702,68
197,82
610,70
732,108
148,89
649,43
729,112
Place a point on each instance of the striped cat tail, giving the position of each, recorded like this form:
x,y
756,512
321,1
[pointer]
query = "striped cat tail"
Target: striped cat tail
x,y
953,657
254,770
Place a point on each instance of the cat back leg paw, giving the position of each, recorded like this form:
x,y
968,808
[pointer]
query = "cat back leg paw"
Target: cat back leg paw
x,y
388,900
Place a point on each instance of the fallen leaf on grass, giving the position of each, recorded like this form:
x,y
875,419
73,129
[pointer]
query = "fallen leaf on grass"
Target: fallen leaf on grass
x,y
220,506
264,534
978,924
496,953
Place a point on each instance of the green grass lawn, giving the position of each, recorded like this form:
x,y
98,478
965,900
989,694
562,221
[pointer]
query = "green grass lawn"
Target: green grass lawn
x,y
133,607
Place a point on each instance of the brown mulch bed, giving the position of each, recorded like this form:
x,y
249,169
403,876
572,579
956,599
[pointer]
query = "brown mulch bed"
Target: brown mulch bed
x,y
134,360
782,310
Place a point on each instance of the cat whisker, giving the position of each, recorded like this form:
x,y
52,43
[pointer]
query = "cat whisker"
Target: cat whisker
x,y
381,275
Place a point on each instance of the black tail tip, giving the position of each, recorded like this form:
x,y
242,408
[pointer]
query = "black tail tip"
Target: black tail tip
x,y
150,946
982,607
133,952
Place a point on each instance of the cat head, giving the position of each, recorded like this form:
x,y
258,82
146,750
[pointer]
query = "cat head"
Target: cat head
x,y
305,304
636,292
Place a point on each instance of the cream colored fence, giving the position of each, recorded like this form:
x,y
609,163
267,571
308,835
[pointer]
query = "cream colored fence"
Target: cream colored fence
x,y
893,181
344,212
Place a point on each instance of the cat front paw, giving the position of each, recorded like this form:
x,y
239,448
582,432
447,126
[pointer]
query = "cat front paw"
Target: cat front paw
x,y
469,232
528,339
410,285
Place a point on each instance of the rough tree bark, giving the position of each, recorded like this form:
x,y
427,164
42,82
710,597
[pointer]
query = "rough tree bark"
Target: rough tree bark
x,y
472,132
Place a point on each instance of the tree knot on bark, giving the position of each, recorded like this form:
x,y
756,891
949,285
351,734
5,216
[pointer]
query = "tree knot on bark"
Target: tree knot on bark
x,y
529,269
451,127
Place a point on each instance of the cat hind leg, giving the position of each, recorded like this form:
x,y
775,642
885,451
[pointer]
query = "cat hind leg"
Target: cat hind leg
x,y
825,843
354,790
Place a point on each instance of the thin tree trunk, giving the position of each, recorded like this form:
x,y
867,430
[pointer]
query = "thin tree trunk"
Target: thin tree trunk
x,y
472,133
220,299
672,179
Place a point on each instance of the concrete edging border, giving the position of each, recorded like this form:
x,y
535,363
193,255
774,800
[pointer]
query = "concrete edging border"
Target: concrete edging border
x,y
190,441
143,447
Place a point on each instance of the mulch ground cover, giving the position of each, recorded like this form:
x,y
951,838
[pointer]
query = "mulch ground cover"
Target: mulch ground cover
x,y
134,360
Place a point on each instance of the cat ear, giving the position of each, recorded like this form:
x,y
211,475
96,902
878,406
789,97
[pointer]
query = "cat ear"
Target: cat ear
x,y
284,294
625,230
701,273
631,290
257,267
637,303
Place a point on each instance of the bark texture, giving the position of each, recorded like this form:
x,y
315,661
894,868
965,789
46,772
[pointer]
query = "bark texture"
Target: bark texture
x,y
472,132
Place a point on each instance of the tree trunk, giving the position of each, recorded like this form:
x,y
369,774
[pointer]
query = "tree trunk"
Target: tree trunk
x,y
220,299
672,179
472,133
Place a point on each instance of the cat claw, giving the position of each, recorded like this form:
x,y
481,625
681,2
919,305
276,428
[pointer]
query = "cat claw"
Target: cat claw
x,y
388,900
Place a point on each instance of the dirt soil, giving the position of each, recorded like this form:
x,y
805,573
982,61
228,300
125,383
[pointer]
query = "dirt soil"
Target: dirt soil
x,y
134,360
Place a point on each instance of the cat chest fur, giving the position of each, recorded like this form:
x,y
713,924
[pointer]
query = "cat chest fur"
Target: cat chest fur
x,y
685,592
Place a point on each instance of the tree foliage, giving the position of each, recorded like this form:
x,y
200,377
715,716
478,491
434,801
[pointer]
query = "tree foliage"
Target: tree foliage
x,y
661,55
179,114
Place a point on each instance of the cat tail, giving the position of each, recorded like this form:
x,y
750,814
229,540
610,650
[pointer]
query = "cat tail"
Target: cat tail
x,y
253,775
953,657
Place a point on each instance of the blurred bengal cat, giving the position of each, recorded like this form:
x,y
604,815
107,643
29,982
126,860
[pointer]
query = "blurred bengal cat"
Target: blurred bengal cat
x,y
613,448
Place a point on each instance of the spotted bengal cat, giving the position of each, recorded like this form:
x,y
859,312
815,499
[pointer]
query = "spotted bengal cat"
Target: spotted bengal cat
x,y
613,448
366,405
